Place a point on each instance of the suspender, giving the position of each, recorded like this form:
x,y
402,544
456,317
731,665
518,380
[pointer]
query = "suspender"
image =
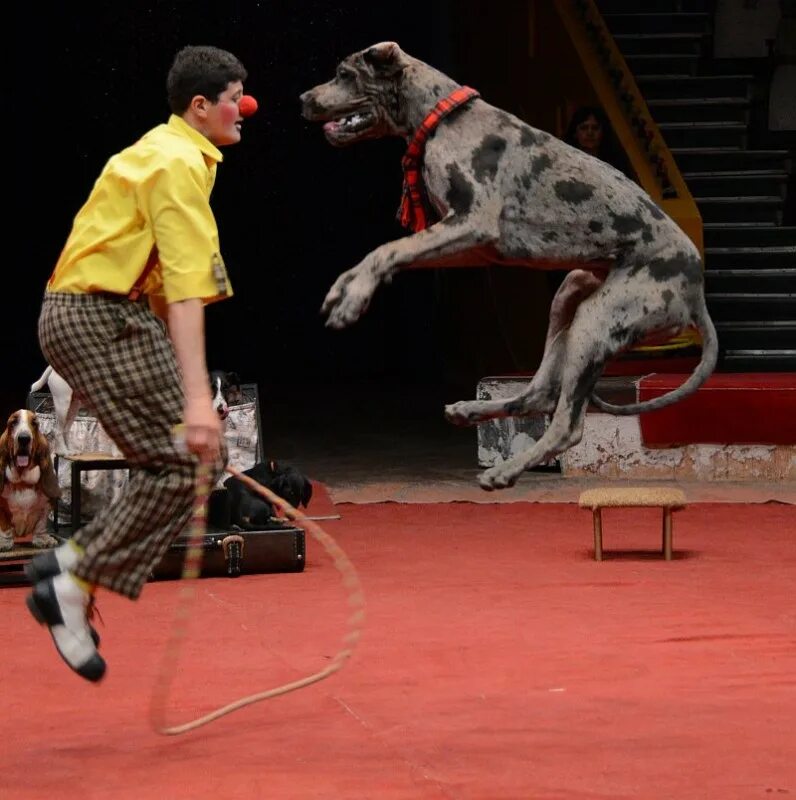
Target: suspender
x,y
138,286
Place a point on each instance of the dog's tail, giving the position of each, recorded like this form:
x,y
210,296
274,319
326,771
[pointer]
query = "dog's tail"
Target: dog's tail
x,y
710,353
34,387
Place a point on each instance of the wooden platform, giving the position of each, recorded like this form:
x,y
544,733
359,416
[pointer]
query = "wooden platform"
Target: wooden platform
x,y
729,408
12,563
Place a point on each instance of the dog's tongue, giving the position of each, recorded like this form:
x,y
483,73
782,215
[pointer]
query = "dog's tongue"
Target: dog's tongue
x,y
23,461
331,126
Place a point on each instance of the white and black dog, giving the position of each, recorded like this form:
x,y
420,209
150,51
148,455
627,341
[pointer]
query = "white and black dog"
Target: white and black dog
x,y
501,192
226,391
225,388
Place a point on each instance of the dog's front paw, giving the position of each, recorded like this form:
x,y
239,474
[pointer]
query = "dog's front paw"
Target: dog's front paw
x,y
44,540
461,413
497,478
348,299
6,541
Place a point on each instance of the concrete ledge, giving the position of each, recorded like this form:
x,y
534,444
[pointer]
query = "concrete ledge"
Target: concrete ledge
x,y
611,447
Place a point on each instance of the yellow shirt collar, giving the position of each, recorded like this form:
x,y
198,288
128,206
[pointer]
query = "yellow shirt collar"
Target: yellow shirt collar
x,y
201,141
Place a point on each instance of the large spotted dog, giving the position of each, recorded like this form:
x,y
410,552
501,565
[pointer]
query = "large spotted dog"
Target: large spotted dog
x,y
506,193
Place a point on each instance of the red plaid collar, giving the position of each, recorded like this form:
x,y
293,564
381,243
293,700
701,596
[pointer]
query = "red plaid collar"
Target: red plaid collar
x,y
412,212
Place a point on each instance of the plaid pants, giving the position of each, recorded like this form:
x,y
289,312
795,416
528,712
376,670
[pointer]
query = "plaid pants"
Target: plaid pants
x,y
118,356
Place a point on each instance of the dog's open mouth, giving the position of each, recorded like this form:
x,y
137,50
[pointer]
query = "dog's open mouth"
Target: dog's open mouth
x,y
349,125
22,461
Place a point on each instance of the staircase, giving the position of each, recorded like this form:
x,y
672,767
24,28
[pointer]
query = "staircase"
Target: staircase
x,y
704,110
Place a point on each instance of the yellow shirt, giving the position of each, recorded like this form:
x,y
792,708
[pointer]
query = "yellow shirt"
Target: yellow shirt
x,y
154,196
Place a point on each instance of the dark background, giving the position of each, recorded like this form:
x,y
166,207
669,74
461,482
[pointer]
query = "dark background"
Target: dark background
x,y
293,212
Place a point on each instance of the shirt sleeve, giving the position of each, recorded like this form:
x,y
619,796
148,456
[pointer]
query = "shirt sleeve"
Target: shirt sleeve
x,y
186,234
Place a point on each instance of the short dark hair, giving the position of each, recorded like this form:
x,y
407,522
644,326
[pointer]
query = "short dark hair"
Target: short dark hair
x,y
201,70
581,115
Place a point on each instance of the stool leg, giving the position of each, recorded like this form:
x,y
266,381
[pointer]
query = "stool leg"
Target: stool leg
x,y
667,534
598,534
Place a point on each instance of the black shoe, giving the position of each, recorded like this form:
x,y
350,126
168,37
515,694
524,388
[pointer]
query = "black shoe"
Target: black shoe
x,y
46,565
61,605
42,566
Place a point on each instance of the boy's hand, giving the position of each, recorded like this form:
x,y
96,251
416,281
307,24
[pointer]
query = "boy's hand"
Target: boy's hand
x,y
202,428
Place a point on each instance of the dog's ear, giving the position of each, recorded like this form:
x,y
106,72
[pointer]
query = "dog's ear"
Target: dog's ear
x,y
49,480
3,458
385,58
306,493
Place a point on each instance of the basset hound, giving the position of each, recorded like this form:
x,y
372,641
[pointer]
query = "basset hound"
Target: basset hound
x,y
27,482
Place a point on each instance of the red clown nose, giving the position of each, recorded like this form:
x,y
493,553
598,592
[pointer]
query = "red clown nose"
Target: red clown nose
x,y
247,105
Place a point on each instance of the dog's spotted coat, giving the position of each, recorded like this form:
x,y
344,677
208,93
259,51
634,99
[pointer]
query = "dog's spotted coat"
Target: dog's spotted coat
x,y
507,193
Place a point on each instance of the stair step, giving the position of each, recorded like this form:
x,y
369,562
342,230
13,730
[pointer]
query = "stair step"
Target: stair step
x,y
715,159
740,209
737,183
738,225
728,235
763,335
750,258
697,101
654,6
700,110
764,360
679,64
703,125
704,135
645,22
655,85
737,173
756,200
762,281
649,44
749,306
748,236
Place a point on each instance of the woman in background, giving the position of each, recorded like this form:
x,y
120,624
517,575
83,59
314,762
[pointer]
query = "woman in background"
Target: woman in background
x,y
590,131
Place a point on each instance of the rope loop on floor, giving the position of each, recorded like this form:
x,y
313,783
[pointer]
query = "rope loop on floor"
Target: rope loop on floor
x,y
192,569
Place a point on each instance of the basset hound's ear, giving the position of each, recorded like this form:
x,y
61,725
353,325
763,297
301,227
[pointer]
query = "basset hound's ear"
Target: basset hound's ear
x,y
48,479
3,458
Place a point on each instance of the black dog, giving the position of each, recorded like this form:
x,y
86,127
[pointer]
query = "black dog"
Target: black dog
x,y
250,511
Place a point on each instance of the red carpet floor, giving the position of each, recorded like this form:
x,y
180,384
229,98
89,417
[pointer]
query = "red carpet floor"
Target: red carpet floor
x,y
499,662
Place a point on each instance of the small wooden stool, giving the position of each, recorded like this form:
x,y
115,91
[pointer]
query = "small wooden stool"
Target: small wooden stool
x,y
629,496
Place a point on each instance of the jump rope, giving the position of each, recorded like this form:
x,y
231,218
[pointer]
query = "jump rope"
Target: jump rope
x,y
192,569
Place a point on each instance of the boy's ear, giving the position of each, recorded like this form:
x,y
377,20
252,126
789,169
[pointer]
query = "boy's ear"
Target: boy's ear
x,y
199,104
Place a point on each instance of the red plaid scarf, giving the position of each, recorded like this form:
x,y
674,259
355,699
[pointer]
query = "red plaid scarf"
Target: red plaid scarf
x,y
412,212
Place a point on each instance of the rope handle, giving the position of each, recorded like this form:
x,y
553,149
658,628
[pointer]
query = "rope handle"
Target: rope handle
x,y
192,568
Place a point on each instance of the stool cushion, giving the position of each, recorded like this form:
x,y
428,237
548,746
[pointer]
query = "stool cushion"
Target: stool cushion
x,y
662,496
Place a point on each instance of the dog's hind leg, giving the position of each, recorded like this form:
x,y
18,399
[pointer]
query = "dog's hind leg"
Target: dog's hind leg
x,y
628,308
541,394
565,429
587,344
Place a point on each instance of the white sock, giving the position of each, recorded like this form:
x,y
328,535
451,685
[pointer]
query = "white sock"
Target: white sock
x,y
67,555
